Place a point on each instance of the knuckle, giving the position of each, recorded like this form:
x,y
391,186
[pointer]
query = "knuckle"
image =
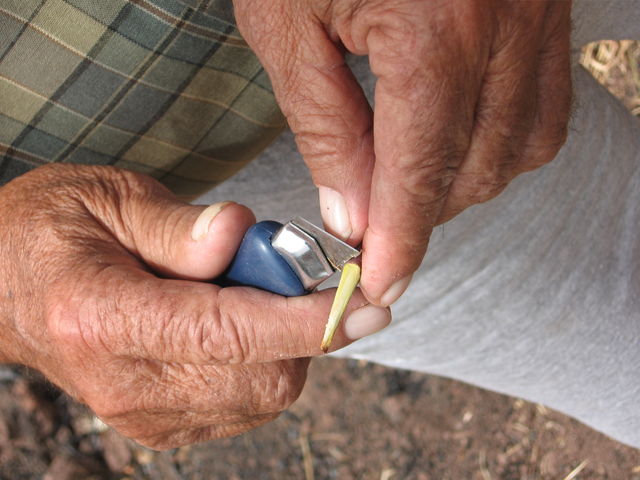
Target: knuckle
x,y
213,432
488,188
545,148
105,406
123,404
109,194
556,139
395,32
180,437
130,184
479,188
393,41
294,328
426,182
278,389
258,24
67,325
90,182
62,328
233,336
324,152
436,154
163,442
109,404
412,36
428,191
204,333
101,318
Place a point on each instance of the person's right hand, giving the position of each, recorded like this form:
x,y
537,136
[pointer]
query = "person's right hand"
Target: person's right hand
x,y
166,361
469,95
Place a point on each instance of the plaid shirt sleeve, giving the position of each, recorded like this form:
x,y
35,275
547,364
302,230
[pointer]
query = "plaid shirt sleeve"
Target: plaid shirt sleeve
x,y
164,87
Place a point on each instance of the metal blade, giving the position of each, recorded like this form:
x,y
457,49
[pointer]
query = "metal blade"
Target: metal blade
x,y
337,252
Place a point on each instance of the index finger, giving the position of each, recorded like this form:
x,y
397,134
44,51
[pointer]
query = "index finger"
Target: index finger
x,y
142,316
424,104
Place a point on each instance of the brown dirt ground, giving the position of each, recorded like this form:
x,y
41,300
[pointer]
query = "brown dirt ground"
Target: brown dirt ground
x,y
353,421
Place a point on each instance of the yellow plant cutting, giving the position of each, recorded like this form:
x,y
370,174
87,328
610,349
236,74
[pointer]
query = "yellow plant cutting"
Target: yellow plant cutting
x,y
348,283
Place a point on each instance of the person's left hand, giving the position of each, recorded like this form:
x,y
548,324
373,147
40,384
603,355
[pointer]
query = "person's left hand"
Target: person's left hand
x,y
469,95
103,289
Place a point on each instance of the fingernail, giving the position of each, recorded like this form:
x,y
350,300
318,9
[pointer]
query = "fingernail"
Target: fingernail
x,y
395,291
203,222
334,212
366,321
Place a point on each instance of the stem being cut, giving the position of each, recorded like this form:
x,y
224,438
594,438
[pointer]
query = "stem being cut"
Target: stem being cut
x,y
348,283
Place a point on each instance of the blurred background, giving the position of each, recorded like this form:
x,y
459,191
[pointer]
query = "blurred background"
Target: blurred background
x,y
353,421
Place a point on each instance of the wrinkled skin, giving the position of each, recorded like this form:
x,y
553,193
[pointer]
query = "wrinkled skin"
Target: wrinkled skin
x,y
469,95
98,271
166,360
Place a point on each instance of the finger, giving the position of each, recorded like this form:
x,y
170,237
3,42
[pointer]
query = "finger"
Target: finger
x,y
128,312
549,131
193,242
423,118
325,107
147,398
182,437
503,120
174,238
210,393
143,424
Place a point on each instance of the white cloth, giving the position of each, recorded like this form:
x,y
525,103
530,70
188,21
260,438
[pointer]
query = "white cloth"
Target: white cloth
x,y
535,294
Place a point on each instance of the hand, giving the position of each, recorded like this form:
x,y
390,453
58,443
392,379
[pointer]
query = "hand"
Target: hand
x,y
469,95
165,361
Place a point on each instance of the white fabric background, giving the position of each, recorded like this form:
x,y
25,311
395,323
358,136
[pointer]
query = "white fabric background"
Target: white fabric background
x,y
535,294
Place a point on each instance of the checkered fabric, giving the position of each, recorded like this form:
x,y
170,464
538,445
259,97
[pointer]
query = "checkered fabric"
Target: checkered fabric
x,y
164,87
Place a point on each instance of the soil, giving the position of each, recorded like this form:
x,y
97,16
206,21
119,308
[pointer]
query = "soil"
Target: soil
x,y
353,421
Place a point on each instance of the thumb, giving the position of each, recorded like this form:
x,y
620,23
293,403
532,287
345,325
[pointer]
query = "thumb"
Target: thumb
x,y
181,240
323,103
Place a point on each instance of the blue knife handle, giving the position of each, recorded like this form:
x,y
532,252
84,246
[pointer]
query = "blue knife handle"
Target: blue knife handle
x,y
257,264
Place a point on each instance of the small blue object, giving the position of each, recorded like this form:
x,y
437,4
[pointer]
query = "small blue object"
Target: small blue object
x,y
258,265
